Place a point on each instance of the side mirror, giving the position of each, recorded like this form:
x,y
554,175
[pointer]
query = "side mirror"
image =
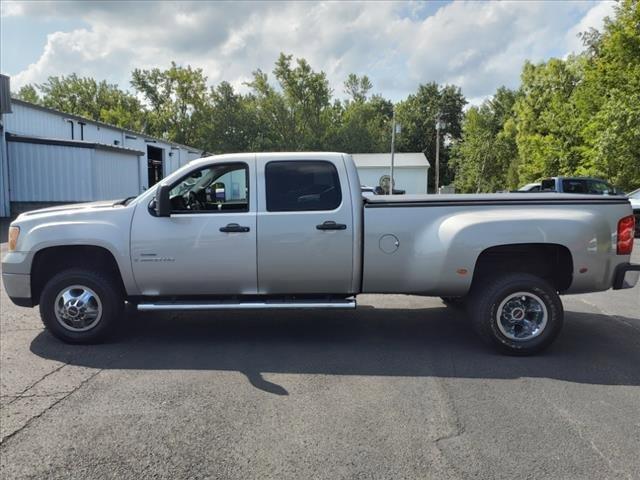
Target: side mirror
x,y
163,202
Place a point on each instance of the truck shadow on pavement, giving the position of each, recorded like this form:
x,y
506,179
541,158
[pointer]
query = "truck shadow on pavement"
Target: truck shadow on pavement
x,y
433,342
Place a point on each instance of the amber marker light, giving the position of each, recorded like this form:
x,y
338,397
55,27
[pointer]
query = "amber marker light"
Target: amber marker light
x,y
14,232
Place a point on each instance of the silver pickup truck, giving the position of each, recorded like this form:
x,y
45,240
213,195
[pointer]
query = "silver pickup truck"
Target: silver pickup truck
x,y
292,230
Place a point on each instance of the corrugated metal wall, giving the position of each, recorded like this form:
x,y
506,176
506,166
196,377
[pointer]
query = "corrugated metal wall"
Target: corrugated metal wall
x,y
32,121
52,173
115,175
4,176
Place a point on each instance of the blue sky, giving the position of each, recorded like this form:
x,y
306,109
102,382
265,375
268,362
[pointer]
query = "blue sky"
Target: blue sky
x,y
477,45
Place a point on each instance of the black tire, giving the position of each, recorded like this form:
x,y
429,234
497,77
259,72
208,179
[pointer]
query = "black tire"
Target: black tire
x,y
485,302
109,293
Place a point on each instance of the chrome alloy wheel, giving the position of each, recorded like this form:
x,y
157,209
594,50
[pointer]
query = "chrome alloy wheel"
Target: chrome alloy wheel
x,y
522,316
78,308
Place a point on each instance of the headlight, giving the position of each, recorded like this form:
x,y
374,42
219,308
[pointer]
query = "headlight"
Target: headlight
x,y
14,232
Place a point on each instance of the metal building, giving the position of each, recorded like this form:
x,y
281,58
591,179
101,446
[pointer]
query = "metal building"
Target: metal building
x,y
49,157
411,170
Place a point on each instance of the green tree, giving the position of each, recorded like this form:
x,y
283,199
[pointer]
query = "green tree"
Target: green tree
x,y
418,114
297,116
176,102
86,97
548,124
609,99
581,116
28,93
365,126
485,159
229,121
357,87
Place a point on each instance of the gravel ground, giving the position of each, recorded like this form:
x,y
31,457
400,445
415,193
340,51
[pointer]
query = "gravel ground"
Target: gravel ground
x,y
400,388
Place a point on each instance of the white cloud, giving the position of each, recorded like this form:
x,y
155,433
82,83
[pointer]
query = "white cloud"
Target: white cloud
x,y
593,19
476,45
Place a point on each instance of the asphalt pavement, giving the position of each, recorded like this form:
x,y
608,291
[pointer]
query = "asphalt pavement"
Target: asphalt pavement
x,y
400,388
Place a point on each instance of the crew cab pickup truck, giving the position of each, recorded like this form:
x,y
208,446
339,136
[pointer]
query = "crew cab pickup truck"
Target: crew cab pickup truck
x,y
293,230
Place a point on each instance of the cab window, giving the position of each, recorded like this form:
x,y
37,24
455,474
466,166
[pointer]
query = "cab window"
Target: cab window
x,y
600,188
294,186
216,188
574,186
548,185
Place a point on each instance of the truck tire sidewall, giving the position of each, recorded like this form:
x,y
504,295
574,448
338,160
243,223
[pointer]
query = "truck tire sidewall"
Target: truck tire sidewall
x,y
106,289
488,302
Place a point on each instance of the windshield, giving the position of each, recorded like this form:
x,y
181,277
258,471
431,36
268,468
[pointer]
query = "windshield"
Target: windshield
x,y
635,194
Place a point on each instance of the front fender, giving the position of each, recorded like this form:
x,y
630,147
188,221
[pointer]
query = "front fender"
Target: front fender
x,y
108,229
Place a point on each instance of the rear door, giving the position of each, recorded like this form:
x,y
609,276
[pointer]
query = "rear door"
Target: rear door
x,y
305,226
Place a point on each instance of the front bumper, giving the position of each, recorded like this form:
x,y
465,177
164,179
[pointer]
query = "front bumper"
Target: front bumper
x,y
626,276
18,288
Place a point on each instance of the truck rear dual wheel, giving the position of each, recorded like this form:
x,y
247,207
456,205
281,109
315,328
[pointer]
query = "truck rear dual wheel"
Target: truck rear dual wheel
x,y
81,306
519,314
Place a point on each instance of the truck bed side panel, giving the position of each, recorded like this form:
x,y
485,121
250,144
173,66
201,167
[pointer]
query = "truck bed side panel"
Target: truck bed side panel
x,y
439,240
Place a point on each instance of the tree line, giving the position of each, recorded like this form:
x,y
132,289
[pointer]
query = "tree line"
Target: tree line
x,y
573,116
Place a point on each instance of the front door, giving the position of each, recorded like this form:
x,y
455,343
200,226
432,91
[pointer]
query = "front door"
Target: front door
x,y
305,222
208,244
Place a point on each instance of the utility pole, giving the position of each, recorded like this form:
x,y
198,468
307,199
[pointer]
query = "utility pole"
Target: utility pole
x,y
393,148
437,179
395,128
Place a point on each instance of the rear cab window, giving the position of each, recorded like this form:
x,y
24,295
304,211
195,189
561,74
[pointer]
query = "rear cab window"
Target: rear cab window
x,y
309,185
574,186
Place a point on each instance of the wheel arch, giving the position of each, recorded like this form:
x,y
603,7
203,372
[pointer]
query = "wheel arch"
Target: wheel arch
x,y
49,261
550,261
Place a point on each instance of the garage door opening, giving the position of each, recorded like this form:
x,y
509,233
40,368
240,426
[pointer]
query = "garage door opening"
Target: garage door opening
x,y
154,164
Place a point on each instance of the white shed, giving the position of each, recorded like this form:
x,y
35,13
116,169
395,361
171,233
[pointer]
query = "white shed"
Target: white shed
x,y
410,173
54,157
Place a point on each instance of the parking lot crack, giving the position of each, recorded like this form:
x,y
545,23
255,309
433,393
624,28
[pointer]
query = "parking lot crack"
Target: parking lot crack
x,y
65,395
34,384
454,423
580,429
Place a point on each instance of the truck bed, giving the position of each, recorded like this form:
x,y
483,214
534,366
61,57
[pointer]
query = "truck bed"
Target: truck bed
x,y
491,199
429,244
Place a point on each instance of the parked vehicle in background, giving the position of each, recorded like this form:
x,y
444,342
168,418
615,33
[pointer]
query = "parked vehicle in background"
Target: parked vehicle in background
x,y
634,198
530,187
293,230
367,191
584,185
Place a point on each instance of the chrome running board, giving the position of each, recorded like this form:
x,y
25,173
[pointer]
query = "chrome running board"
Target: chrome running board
x,y
248,305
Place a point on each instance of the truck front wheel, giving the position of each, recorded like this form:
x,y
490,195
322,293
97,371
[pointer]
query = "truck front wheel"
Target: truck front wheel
x,y
519,314
81,306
